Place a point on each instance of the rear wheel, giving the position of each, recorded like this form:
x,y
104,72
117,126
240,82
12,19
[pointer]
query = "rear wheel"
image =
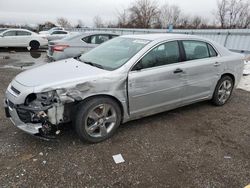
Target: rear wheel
x,y
97,119
34,45
223,91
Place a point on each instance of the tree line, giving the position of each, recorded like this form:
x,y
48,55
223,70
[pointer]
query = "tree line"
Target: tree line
x,y
228,14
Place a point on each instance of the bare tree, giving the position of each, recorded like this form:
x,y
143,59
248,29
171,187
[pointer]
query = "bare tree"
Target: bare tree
x,y
221,13
238,13
184,21
169,14
143,13
79,24
63,22
122,19
233,13
98,23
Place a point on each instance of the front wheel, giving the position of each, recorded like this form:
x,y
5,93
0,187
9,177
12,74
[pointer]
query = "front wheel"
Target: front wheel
x,y
223,91
97,119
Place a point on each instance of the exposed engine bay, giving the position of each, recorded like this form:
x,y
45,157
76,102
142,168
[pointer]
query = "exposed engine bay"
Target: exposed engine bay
x,y
44,108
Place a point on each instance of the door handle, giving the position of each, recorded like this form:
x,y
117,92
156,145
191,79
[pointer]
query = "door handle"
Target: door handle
x,y
216,64
178,71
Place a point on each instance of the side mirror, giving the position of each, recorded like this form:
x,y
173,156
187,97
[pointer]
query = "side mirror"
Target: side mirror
x,y
138,66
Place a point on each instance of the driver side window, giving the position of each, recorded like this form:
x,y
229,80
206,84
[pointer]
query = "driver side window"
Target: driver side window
x,y
163,54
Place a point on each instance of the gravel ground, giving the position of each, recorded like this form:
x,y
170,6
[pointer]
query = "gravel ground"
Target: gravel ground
x,y
195,146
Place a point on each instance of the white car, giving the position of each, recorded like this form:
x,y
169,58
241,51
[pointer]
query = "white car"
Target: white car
x,y
55,35
21,38
51,30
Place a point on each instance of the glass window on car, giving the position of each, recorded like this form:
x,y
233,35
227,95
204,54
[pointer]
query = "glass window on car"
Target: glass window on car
x,y
22,33
212,51
195,50
87,39
164,54
114,53
98,39
113,36
58,32
9,33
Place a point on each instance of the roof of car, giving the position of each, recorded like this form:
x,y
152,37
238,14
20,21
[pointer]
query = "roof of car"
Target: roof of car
x,y
17,29
161,36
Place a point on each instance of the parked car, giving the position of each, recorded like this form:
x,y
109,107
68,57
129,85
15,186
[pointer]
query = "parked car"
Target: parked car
x,y
56,35
126,78
77,44
21,38
51,30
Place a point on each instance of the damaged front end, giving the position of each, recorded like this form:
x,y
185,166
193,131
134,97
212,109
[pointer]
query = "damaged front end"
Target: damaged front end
x,y
45,111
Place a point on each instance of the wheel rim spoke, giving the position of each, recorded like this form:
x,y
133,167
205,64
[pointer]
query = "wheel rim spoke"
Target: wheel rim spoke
x,y
224,91
92,128
105,110
93,115
103,130
111,119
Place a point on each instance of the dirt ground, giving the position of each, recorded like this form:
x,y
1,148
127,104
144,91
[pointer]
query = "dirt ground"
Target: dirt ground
x,y
195,146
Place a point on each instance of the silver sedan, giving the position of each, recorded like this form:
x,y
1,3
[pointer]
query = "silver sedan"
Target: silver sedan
x,y
126,78
76,44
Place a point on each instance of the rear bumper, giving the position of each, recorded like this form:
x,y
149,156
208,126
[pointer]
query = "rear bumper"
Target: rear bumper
x,y
11,113
56,55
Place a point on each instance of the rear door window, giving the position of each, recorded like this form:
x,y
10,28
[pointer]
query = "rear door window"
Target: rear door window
x,y
96,39
58,33
195,50
22,33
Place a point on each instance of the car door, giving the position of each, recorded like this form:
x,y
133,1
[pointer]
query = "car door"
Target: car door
x,y
23,38
201,68
8,39
155,83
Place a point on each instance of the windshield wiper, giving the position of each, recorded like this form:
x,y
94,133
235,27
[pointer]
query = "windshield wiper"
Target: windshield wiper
x,y
93,64
89,63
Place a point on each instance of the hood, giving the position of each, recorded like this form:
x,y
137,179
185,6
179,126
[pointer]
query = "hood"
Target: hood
x,y
59,73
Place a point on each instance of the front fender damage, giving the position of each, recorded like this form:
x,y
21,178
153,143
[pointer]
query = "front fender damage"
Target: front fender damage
x,y
54,106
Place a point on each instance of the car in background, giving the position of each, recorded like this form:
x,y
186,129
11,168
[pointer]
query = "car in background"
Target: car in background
x,y
51,30
76,45
126,78
56,35
21,38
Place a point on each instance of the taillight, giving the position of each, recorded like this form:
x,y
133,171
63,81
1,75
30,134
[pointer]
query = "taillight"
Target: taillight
x,y
60,48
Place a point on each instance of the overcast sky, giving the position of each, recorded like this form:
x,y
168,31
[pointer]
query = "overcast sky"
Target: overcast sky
x,y
38,11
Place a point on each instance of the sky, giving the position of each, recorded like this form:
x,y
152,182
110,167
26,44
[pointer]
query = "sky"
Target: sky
x,y
38,11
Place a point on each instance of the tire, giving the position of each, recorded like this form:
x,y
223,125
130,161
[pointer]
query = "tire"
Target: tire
x,y
223,91
34,45
97,119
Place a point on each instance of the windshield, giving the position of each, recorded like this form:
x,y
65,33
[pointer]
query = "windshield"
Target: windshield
x,y
114,53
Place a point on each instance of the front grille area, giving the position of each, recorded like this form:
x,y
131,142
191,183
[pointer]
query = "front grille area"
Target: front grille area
x,y
24,115
11,104
15,90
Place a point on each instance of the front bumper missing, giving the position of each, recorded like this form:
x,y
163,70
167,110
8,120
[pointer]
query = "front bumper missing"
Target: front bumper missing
x,y
29,128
